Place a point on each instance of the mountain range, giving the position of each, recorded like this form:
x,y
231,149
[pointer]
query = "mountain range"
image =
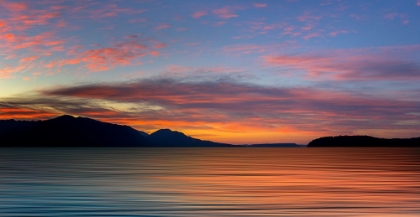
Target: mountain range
x,y
69,131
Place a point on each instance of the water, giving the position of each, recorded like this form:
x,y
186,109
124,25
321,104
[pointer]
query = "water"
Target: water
x,y
210,182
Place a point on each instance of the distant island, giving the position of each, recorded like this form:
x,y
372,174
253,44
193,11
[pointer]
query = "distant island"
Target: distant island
x,y
363,141
69,131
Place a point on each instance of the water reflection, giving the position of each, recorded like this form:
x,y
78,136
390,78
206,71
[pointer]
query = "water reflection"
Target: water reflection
x,y
210,182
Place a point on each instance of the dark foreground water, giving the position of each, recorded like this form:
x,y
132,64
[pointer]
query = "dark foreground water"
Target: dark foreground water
x,y
210,182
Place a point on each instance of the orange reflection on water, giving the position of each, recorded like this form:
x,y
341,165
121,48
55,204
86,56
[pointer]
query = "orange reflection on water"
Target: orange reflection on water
x,y
299,182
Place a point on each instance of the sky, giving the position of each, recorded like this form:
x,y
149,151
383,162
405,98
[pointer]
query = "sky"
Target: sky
x,y
232,71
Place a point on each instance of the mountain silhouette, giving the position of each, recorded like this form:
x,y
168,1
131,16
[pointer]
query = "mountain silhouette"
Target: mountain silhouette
x,y
68,131
169,138
363,141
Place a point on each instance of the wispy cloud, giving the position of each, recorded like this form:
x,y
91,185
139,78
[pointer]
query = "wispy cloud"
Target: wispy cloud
x,y
260,5
335,33
199,14
163,26
226,12
14,6
353,65
105,58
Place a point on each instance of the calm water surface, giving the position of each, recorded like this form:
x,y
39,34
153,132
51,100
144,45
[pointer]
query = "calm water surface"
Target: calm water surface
x,y
210,182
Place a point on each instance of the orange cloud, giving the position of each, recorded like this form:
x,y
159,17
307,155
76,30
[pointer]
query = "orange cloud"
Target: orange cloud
x,y
7,71
224,110
28,59
24,113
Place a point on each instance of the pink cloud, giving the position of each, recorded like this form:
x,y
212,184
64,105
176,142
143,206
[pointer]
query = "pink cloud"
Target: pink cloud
x,y
46,43
260,5
418,2
288,30
160,45
312,35
14,6
225,12
240,49
391,16
111,10
308,27
199,14
403,17
2,24
105,58
40,18
46,40
140,20
378,64
308,17
335,33
163,26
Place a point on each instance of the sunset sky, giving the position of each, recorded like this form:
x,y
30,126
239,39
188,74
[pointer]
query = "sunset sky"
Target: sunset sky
x,y
233,71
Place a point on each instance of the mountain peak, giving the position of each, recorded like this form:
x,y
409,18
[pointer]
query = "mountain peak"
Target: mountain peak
x,y
167,132
64,117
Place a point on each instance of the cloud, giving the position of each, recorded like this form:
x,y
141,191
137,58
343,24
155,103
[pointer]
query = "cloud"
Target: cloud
x,y
110,10
14,6
304,18
23,113
223,106
6,72
418,2
199,14
46,42
163,26
226,12
236,99
312,35
28,59
105,58
240,49
335,33
353,65
259,5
